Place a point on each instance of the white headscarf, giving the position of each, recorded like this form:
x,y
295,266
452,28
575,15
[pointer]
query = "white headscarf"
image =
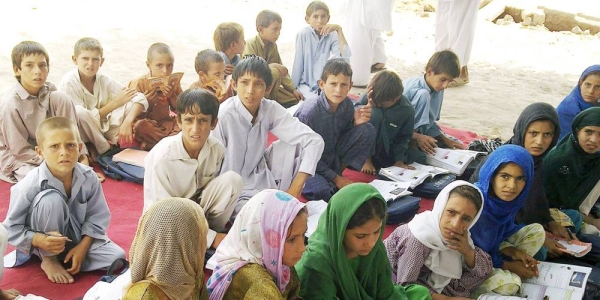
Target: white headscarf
x,y
445,263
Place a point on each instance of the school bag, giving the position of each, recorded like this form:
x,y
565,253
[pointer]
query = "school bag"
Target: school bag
x,y
120,170
431,187
402,209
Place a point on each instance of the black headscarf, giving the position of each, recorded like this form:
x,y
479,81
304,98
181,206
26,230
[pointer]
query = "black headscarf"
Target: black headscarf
x,y
536,208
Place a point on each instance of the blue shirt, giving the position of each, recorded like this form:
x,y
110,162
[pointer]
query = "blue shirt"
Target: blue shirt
x,y
234,61
427,104
312,53
315,112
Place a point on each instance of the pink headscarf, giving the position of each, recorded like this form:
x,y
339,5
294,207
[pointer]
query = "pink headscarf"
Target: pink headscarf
x,y
257,236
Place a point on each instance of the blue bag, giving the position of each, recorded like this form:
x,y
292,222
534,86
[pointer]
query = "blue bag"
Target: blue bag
x,y
120,170
402,209
431,187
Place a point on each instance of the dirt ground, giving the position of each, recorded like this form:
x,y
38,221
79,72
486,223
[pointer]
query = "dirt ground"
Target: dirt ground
x,y
511,66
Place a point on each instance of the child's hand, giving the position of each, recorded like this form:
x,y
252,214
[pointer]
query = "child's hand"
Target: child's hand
x,y
167,90
125,96
518,268
76,256
229,69
54,242
126,133
527,261
460,242
363,114
553,248
370,96
329,28
560,231
425,142
283,71
455,145
151,94
341,181
9,294
218,239
298,95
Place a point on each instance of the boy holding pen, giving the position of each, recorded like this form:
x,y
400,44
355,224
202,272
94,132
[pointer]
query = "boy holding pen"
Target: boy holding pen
x,y
58,211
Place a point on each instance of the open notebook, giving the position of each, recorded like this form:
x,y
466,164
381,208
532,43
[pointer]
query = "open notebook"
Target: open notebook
x,y
556,281
455,161
414,177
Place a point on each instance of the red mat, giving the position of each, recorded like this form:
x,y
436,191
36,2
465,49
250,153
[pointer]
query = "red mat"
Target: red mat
x,y
125,200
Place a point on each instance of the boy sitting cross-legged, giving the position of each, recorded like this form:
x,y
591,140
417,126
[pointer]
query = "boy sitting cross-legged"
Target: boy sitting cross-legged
x,y
186,165
268,25
347,133
245,122
393,117
105,108
58,211
426,93
157,122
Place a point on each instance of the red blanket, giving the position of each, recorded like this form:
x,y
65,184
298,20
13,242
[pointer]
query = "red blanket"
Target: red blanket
x,y
125,200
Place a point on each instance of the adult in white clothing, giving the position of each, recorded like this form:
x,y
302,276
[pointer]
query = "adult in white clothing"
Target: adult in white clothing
x,y
362,27
455,30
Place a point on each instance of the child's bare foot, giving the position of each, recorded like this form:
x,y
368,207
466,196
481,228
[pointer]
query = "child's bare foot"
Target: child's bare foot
x,y
100,176
368,167
55,271
377,67
9,294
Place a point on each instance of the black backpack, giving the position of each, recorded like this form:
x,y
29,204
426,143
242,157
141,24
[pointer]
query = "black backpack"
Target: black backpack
x,y
402,209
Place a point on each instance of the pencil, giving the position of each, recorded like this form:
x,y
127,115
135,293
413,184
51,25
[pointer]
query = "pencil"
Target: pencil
x,y
47,234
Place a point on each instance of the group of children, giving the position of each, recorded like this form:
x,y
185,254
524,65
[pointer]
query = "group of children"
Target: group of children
x,y
208,144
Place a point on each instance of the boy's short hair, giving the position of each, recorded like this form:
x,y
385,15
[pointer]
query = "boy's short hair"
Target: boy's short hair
x,y
336,66
266,17
444,62
89,44
54,123
316,5
26,48
227,33
194,101
205,58
158,48
386,86
255,65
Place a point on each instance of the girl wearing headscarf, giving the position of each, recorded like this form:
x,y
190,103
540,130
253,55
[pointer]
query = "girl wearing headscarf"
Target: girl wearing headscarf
x,y
435,248
505,179
167,253
256,259
572,168
586,94
345,257
537,130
